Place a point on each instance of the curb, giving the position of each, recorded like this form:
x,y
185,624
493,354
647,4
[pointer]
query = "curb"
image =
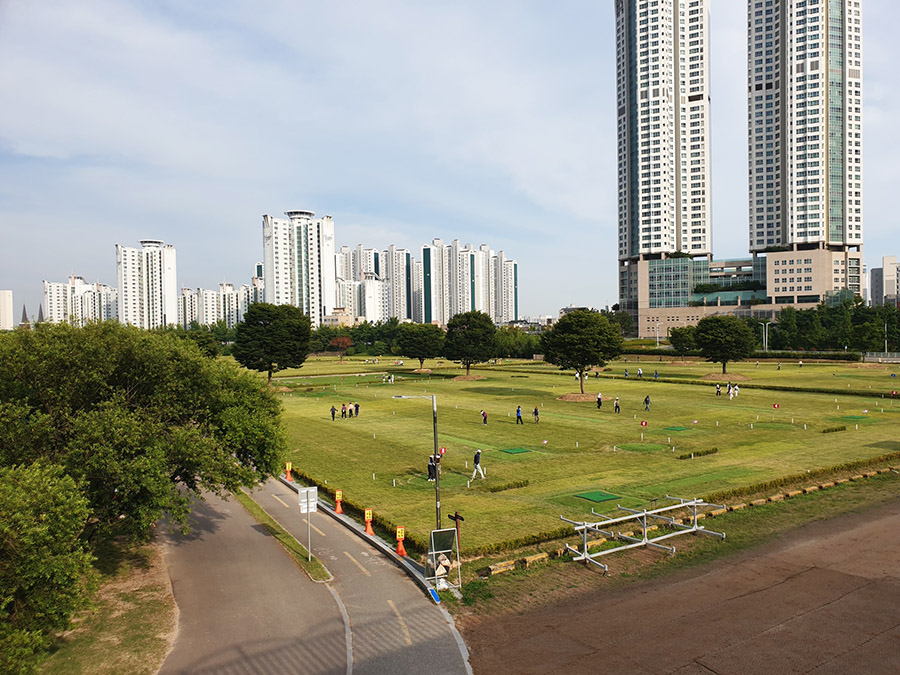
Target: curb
x,y
413,570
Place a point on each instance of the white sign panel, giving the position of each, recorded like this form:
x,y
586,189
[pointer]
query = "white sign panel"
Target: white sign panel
x,y
309,499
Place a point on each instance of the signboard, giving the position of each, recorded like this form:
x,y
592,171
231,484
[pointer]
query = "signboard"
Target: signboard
x,y
287,466
308,498
442,450
338,495
401,533
368,514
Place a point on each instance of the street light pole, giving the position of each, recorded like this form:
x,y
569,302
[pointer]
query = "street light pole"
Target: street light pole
x,y
437,473
437,468
765,325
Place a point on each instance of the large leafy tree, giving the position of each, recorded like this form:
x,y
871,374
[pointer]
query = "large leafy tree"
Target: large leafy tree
x,y
272,338
420,341
470,338
724,338
582,339
142,421
682,339
45,571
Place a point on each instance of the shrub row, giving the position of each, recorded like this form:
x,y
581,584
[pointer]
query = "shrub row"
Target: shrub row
x,y
698,453
831,430
508,486
722,495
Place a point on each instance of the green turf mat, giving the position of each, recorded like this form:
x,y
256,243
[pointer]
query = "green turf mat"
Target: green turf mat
x,y
677,428
514,451
854,417
596,496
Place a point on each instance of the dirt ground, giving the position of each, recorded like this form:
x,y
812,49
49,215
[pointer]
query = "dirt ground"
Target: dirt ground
x,y
824,599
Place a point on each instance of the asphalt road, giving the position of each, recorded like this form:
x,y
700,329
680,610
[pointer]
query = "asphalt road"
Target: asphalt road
x,y
246,608
395,628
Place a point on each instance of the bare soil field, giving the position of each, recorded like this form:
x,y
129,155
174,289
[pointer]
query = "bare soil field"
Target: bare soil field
x,y
823,599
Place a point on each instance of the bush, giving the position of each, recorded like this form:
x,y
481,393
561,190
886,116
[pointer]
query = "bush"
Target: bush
x,y
831,430
698,453
508,486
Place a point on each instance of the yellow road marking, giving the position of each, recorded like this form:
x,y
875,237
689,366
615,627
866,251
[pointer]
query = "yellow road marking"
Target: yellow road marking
x,y
282,503
402,623
357,563
316,529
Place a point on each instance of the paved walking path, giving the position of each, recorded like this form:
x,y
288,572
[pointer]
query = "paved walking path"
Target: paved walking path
x,y
396,628
246,608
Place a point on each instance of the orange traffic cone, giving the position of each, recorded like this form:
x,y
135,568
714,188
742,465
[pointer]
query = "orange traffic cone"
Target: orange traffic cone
x,y
400,550
337,507
369,529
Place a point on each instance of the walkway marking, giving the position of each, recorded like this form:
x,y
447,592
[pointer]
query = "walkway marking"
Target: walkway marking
x,y
318,531
287,506
402,623
358,564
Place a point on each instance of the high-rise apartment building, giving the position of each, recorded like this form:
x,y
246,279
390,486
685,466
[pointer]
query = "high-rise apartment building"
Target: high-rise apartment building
x,y
299,263
78,302
396,266
147,286
885,282
663,103
7,320
805,143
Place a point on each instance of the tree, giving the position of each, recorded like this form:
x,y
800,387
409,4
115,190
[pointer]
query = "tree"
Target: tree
x,y
621,317
724,338
682,339
142,421
470,338
580,340
272,338
45,571
420,341
340,344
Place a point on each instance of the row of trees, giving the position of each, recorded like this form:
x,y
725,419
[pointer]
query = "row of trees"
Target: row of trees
x,y
846,326
103,430
275,337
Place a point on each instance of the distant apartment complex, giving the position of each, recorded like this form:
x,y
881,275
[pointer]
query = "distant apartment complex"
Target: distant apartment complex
x,y
78,302
298,263
7,320
885,282
804,117
147,285
350,285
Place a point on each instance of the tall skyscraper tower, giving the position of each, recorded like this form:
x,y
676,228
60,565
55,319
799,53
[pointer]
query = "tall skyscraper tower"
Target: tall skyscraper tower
x,y
148,290
662,95
805,139
299,263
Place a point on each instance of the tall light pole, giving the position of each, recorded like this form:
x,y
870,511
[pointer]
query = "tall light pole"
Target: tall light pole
x,y
765,325
657,333
437,471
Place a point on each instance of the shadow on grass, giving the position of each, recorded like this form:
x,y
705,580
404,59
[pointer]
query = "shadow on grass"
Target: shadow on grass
x,y
116,553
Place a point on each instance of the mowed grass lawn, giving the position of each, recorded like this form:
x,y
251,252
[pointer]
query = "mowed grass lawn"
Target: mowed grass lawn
x,y
576,447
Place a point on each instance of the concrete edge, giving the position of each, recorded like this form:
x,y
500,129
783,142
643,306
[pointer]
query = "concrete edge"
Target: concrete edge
x,y
413,570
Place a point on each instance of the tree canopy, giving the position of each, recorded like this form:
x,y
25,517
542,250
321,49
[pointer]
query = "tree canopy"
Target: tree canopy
x,y
682,339
724,338
272,338
420,341
582,339
142,421
470,338
45,571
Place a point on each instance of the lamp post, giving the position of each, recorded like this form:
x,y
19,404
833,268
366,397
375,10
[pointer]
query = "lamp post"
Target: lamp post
x,y
657,333
437,472
765,325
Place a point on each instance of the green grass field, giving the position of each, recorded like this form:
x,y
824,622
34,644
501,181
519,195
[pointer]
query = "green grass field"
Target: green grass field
x,y
576,448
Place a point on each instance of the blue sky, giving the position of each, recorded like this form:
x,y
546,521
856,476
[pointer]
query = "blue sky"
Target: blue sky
x,y
484,122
